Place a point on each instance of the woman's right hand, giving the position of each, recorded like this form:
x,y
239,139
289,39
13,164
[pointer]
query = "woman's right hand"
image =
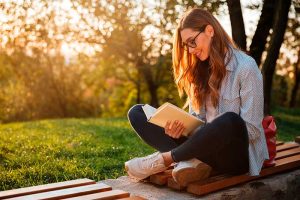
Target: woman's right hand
x,y
174,128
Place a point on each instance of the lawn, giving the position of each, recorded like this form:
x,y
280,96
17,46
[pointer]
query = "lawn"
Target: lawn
x,y
46,151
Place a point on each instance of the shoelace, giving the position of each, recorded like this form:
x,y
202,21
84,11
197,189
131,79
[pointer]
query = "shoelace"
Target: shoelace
x,y
150,161
150,157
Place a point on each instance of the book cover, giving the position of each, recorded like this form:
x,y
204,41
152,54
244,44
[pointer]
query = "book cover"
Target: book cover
x,y
168,111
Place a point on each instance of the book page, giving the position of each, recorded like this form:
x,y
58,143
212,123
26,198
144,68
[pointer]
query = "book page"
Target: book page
x,y
171,112
149,111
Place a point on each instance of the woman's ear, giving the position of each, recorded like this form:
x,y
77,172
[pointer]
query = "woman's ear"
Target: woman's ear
x,y
209,30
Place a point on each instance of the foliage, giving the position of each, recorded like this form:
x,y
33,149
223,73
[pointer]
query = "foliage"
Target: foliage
x,y
93,58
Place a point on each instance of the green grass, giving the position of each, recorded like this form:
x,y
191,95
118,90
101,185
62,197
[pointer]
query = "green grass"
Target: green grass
x,y
288,123
46,151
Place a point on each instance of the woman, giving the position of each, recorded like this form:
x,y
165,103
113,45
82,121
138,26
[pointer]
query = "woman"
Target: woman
x,y
224,87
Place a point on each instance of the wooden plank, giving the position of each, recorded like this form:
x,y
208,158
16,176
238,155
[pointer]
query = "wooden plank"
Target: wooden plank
x,y
279,143
174,185
201,188
287,146
287,153
297,139
107,195
66,193
45,188
161,178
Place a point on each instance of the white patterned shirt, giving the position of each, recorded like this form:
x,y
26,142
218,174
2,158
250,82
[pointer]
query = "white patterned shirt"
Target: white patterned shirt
x,y
211,111
242,92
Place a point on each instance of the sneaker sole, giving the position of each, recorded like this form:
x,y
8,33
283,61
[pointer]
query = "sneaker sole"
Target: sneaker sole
x,y
133,178
187,175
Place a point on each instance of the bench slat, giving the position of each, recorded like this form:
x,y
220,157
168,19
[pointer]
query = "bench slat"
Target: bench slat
x,y
161,178
107,195
66,193
279,143
45,188
201,188
287,146
287,153
297,139
174,185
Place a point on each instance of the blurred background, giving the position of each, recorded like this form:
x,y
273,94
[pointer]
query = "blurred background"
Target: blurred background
x,y
88,58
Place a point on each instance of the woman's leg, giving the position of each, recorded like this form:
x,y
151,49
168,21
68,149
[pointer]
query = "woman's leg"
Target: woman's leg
x,y
152,134
222,144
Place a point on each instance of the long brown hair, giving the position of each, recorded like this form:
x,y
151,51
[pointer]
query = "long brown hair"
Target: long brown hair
x,y
200,78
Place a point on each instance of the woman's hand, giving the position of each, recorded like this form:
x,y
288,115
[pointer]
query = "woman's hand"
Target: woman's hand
x,y
174,129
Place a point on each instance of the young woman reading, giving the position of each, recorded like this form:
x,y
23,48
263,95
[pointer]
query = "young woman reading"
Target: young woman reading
x,y
224,87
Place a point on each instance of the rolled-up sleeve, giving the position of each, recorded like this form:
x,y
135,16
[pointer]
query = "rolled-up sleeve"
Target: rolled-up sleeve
x,y
201,114
252,98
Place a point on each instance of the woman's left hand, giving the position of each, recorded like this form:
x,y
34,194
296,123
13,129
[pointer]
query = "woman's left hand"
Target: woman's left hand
x,y
174,129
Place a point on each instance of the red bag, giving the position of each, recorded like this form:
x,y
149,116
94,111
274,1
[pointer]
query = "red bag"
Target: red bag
x,y
270,128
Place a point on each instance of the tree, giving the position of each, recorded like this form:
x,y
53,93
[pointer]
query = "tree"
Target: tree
x,y
262,31
276,20
237,23
294,45
268,68
45,85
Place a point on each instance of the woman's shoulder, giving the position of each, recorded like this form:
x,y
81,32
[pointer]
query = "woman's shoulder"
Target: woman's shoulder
x,y
243,58
244,62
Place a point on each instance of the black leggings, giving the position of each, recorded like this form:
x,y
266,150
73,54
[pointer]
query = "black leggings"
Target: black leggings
x,y
222,144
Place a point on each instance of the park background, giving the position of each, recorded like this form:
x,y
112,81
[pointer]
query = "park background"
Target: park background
x,y
70,70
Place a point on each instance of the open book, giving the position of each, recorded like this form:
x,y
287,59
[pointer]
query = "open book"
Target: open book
x,y
168,111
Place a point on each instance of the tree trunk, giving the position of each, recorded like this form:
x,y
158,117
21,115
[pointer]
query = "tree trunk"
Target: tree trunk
x,y
262,31
138,88
297,83
237,23
279,26
145,70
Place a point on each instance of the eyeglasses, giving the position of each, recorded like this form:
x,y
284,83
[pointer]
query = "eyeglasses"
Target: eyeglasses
x,y
192,42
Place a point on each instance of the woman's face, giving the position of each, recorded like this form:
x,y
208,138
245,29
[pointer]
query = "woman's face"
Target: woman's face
x,y
202,40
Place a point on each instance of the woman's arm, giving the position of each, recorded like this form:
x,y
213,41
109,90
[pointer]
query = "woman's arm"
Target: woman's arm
x,y
252,98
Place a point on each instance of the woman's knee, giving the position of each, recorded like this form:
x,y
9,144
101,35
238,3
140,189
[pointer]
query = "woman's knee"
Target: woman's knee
x,y
233,118
132,112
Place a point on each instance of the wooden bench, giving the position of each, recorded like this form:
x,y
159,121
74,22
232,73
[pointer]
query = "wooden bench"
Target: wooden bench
x,y
80,189
287,158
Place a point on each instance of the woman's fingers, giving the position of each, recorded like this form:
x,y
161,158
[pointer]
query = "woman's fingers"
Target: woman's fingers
x,y
179,130
167,126
174,128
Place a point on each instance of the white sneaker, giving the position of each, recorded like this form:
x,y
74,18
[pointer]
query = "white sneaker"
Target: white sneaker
x,y
141,168
189,171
